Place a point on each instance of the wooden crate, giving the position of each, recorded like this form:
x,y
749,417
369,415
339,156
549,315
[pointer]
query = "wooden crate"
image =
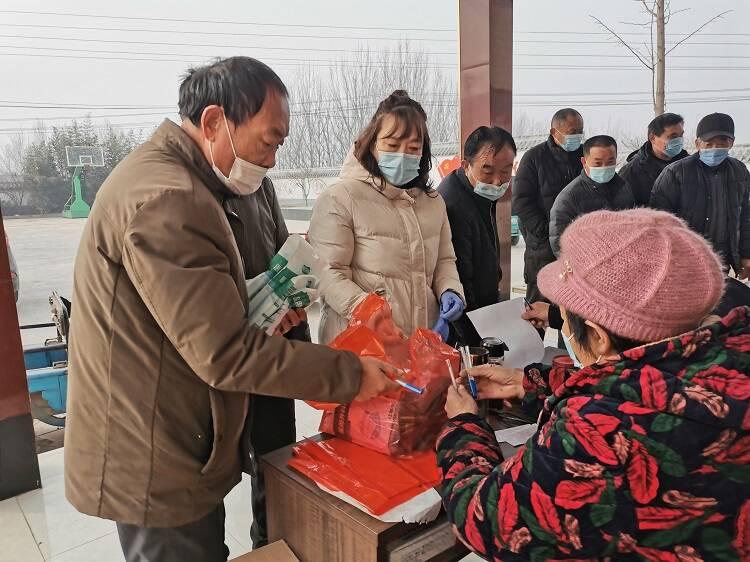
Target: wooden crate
x,y
321,528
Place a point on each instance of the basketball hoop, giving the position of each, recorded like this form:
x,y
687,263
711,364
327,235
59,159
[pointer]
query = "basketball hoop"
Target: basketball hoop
x,y
80,157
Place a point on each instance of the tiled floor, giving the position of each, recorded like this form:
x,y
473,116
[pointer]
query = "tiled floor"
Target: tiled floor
x,y
41,526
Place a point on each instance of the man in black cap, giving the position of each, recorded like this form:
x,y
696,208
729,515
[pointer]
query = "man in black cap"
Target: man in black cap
x,y
664,146
710,190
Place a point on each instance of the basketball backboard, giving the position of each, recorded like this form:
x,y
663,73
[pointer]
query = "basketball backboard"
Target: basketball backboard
x,y
79,156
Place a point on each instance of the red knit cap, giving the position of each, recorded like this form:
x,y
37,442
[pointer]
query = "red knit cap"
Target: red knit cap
x,y
641,274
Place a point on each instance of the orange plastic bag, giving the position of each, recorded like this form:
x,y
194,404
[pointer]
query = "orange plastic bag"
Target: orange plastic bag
x,y
401,422
377,481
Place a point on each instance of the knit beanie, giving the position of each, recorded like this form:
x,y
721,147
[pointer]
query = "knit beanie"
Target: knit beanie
x,y
641,274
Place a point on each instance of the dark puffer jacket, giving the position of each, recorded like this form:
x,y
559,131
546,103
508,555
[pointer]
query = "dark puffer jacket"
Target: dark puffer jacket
x,y
582,196
688,189
642,169
645,457
543,173
474,232
260,231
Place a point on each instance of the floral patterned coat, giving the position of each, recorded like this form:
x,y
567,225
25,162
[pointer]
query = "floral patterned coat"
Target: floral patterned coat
x,y
646,457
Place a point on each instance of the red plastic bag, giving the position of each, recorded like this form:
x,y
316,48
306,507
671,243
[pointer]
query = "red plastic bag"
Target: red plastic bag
x,y
377,481
401,422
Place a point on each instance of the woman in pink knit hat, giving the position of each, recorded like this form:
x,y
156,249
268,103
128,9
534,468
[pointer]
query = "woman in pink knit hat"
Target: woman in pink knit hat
x,y
644,452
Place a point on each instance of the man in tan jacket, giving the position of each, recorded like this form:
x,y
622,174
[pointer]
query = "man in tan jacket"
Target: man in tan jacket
x,y
162,358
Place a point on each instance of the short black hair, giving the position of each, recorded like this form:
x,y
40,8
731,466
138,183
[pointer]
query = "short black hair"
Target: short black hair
x,y
598,140
658,124
578,330
238,84
563,114
495,137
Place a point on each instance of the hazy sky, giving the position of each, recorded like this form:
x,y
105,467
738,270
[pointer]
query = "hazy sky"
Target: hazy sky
x,y
548,34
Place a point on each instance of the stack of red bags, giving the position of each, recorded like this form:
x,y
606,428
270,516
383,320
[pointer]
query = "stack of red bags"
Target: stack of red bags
x,y
376,481
402,422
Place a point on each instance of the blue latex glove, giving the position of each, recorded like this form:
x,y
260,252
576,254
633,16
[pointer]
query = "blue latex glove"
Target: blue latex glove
x,y
442,329
451,306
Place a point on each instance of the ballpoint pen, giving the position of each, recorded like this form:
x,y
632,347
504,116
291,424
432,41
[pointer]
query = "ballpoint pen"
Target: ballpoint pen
x,y
409,387
467,365
453,376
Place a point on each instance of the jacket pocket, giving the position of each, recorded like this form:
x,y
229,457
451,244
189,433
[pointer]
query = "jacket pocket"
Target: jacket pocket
x,y
218,421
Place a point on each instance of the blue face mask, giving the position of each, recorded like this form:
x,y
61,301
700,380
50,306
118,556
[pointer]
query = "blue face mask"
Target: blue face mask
x,y
398,168
602,174
490,191
674,147
576,363
571,143
713,156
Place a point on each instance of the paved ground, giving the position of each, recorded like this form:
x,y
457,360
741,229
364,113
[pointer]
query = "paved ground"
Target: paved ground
x,y
45,250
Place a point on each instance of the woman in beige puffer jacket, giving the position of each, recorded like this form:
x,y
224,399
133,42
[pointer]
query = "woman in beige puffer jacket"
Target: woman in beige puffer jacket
x,y
375,236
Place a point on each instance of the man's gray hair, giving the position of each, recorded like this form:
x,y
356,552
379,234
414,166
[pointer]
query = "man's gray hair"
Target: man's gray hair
x,y
238,84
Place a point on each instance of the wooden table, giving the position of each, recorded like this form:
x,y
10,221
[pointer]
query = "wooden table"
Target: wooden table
x,y
321,528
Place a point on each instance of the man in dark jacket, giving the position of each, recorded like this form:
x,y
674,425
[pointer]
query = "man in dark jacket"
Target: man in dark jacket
x,y
259,230
664,146
710,190
470,195
597,187
542,174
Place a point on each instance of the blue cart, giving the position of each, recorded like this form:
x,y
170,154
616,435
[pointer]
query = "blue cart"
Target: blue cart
x,y
47,368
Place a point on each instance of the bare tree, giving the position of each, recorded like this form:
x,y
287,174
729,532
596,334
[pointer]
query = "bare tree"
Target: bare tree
x,y
329,109
13,185
307,147
654,56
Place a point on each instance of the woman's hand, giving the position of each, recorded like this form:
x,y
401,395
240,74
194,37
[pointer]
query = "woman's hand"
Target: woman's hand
x,y
459,401
497,383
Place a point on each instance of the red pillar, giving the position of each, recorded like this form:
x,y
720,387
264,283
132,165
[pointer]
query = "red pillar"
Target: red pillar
x,y
486,89
19,470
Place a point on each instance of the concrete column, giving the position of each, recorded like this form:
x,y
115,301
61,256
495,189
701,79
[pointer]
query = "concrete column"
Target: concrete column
x,y
486,89
19,470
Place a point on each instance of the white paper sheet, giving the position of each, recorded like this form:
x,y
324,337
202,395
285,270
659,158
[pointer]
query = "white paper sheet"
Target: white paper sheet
x,y
420,509
516,436
503,320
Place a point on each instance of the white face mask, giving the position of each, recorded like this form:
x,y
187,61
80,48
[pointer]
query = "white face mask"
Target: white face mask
x,y
244,178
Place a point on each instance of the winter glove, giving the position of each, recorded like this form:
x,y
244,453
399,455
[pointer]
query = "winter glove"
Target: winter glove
x,y
441,328
451,306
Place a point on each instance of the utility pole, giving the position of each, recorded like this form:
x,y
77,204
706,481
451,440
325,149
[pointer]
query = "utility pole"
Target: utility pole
x,y
660,59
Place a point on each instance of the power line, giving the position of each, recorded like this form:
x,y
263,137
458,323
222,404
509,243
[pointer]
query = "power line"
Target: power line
x,y
231,33
614,41
301,62
334,63
638,33
306,112
348,37
26,104
166,43
322,26
224,22
331,50
191,55
330,111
